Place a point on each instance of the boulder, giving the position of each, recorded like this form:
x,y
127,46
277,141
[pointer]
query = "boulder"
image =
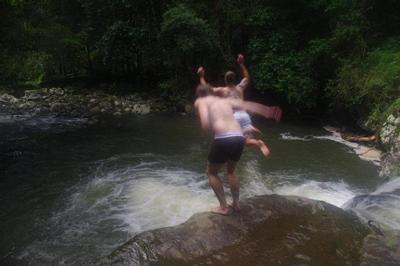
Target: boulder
x,y
381,249
57,107
390,164
144,110
270,230
56,91
95,110
390,138
7,98
33,94
390,130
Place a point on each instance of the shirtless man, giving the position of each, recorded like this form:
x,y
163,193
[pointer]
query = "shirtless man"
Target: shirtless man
x,y
234,91
216,115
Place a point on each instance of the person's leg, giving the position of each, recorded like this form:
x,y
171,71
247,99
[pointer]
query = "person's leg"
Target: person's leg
x,y
217,186
257,143
233,184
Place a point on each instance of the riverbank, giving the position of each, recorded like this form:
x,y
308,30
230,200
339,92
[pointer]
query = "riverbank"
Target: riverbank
x,y
77,102
366,151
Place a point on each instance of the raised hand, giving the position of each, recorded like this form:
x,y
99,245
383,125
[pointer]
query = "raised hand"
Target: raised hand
x,y
240,59
201,71
274,112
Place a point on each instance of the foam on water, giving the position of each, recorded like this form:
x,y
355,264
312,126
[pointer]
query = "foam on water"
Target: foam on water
x,y
132,193
381,206
256,183
116,204
289,136
335,193
364,152
335,136
392,186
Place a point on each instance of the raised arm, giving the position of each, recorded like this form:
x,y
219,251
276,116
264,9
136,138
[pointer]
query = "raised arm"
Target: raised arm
x,y
215,90
201,73
245,82
273,112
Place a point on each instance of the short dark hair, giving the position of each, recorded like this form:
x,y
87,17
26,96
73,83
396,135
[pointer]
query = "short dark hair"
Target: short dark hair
x,y
230,78
203,90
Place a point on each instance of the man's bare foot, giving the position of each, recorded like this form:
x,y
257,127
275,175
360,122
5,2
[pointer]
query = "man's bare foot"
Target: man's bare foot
x,y
235,207
222,211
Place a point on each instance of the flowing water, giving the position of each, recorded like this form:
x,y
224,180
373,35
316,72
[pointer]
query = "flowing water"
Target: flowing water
x,y
71,193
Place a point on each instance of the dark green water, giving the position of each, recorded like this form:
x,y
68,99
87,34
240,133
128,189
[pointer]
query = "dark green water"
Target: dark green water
x,y
72,193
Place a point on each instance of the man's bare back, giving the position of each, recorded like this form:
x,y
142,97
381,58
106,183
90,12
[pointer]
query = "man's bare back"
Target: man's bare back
x,y
219,114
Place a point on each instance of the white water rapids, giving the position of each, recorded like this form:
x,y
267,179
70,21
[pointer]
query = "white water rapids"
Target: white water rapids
x,y
142,185
148,195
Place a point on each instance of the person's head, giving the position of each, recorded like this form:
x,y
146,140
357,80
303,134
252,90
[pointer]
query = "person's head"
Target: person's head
x,y
203,90
230,78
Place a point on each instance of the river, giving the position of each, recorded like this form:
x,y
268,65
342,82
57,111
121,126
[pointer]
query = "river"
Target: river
x,y
71,193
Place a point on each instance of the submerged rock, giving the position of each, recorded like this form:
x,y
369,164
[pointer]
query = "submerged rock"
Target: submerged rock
x,y
270,230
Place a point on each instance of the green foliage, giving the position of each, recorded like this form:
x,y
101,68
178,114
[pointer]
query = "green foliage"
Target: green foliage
x,y
171,93
121,44
287,75
185,33
185,38
27,69
393,109
370,83
314,53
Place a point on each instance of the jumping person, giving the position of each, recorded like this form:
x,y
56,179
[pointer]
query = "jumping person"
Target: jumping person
x,y
234,91
216,115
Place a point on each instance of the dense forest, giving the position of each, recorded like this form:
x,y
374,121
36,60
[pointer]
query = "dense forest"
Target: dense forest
x,y
338,56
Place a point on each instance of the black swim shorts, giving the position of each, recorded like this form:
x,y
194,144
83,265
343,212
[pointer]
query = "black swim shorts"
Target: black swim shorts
x,y
226,149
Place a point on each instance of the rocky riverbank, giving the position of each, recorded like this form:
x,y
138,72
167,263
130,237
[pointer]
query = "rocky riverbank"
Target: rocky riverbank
x,y
390,138
383,148
74,102
270,230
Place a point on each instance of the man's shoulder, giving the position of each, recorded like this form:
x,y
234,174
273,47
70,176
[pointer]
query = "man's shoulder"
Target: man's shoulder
x,y
220,88
243,83
204,100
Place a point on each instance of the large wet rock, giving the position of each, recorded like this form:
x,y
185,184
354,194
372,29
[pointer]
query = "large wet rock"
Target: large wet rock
x,y
270,230
381,249
390,138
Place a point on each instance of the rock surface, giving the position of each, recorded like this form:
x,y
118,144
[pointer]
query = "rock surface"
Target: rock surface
x,y
270,230
390,138
74,102
381,249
